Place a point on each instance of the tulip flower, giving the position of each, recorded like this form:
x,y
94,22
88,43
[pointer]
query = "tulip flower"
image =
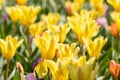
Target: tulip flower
x,y
58,69
115,4
4,17
79,1
83,27
51,19
14,13
66,50
94,47
9,46
1,3
47,44
37,28
41,69
116,18
98,6
29,14
87,15
72,7
81,69
21,2
30,76
115,69
102,22
113,29
61,30
20,69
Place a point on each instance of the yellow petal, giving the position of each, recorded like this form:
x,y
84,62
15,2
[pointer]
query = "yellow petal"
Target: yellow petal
x,y
41,43
51,65
9,51
76,51
82,61
19,43
52,47
21,2
8,38
41,69
58,69
2,44
91,60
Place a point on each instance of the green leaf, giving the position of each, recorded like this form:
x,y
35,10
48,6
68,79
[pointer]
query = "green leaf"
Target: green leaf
x,y
17,76
12,74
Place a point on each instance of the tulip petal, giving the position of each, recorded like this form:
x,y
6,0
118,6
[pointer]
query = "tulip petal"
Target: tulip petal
x,y
41,69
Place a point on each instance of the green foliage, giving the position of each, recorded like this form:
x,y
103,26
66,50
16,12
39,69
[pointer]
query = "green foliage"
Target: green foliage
x,y
28,53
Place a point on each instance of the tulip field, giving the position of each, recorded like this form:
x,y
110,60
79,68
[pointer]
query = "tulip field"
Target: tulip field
x,y
59,40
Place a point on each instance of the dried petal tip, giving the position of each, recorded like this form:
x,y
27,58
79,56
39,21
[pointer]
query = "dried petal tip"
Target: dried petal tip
x,y
19,67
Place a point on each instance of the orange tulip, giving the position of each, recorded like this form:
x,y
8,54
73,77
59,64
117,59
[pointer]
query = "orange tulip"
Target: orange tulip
x,y
115,69
69,10
113,29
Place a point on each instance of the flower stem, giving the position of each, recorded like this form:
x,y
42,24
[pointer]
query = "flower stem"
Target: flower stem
x,y
48,74
28,36
7,66
119,43
116,78
82,47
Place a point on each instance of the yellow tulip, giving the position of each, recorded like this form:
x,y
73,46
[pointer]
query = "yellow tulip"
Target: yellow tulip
x,y
66,50
116,17
26,14
59,69
14,13
96,3
41,69
81,69
1,3
98,6
29,14
37,28
21,2
87,15
115,4
9,46
61,30
94,47
79,1
47,44
72,7
83,27
51,19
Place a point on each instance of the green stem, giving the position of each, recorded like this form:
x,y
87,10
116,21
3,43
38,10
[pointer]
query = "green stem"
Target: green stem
x,y
48,74
26,32
7,66
119,43
22,76
82,49
29,43
112,42
14,28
